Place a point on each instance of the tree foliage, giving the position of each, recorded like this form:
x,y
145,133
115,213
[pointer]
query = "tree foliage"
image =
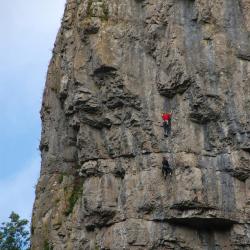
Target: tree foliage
x,y
14,234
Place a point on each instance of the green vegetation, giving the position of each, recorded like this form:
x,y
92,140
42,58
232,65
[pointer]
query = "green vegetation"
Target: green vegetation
x,y
75,195
60,179
89,8
47,246
105,10
14,234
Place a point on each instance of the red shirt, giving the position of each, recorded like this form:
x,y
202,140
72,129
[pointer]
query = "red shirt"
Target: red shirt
x,y
166,116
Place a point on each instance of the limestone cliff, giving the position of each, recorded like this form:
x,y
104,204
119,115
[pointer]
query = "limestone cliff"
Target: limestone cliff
x,y
116,66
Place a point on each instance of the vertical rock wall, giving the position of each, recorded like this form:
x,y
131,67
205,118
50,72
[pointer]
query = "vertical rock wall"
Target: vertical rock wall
x,y
116,66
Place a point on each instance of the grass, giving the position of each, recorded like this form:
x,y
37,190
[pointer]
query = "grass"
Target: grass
x,y
104,8
105,12
89,8
75,195
97,247
46,246
60,180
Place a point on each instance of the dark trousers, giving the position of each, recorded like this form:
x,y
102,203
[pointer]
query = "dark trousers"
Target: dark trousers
x,y
166,170
167,127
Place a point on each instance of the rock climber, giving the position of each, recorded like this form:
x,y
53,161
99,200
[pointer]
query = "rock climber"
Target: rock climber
x,y
166,169
166,117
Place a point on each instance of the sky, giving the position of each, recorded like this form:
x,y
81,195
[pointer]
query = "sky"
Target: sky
x,y
28,31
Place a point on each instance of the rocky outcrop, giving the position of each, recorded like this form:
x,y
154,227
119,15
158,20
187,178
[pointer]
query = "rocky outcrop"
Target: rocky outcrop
x,y
116,66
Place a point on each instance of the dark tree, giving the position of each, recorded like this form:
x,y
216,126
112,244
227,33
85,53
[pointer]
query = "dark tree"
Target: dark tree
x,y
14,234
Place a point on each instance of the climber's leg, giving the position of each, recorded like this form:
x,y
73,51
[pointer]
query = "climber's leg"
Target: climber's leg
x,y
165,127
163,170
166,171
170,171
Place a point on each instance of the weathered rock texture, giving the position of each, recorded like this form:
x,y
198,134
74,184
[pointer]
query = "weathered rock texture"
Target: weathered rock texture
x,y
116,66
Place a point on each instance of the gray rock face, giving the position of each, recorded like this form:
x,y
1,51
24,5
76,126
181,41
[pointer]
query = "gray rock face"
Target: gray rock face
x,y
116,66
